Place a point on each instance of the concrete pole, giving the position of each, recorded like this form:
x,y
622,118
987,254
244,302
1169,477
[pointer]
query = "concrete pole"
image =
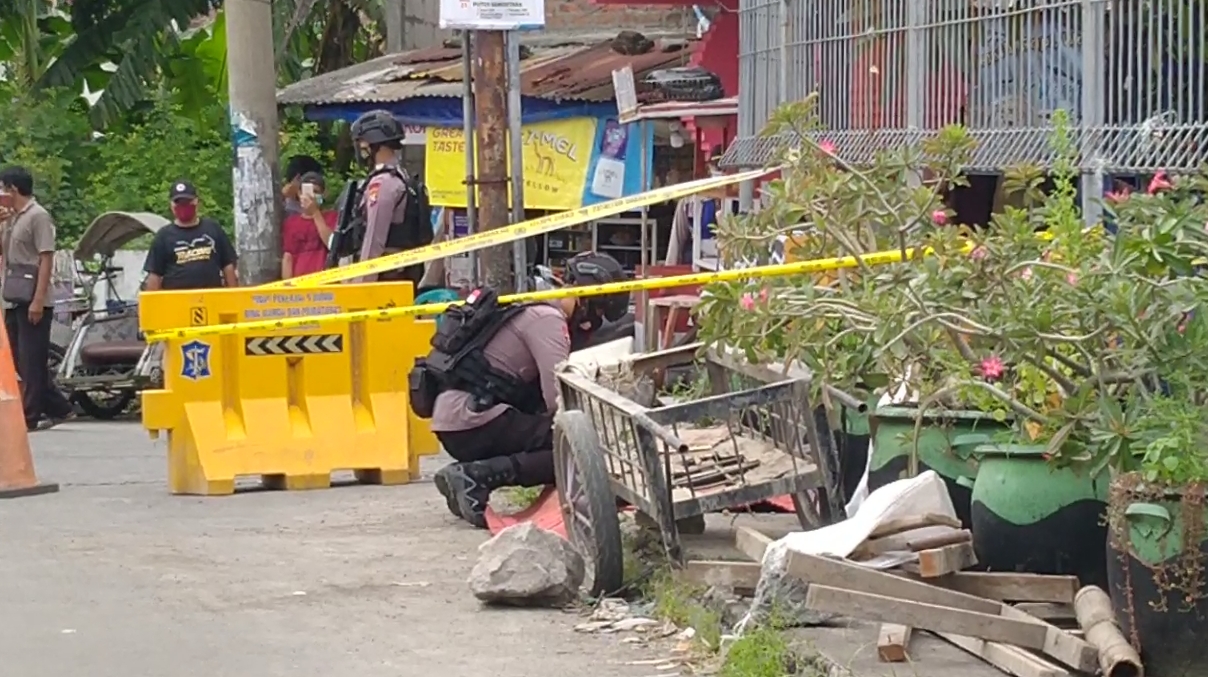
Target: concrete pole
x,y
251,72
490,103
395,19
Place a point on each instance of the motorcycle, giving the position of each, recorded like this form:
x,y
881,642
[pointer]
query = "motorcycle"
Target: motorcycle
x,y
100,366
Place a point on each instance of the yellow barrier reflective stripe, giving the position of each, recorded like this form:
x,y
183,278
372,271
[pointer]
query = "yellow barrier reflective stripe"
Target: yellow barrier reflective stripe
x,y
519,231
628,286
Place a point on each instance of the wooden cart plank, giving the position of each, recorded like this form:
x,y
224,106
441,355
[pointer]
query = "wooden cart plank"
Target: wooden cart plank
x,y
925,616
751,543
893,643
1010,659
1011,587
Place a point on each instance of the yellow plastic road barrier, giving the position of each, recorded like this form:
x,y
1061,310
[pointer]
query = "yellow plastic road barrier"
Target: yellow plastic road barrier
x,y
519,231
628,286
291,406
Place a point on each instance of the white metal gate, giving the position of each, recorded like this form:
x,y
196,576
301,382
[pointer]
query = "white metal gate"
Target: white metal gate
x,y
1131,74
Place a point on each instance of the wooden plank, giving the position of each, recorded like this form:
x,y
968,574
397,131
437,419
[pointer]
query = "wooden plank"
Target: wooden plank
x,y
844,574
735,575
751,543
1011,660
942,561
1047,611
1009,587
925,616
893,643
940,540
1059,644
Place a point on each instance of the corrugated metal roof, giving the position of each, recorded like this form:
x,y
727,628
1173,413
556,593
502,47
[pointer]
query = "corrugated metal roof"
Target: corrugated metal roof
x,y
575,73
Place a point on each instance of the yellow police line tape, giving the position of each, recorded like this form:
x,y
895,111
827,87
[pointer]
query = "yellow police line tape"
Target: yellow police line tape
x,y
519,231
628,286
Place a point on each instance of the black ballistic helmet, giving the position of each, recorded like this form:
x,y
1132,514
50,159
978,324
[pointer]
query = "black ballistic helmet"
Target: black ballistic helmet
x,y
377,127
593,268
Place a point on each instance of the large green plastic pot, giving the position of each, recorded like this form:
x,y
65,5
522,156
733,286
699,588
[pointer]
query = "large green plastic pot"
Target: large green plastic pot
x,y
1029,516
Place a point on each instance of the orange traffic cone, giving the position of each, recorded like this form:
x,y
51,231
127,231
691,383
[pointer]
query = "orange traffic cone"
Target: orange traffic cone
x,y
17,476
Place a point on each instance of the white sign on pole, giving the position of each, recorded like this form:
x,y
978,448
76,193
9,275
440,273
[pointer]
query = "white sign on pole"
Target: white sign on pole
x,y
625,90
492,15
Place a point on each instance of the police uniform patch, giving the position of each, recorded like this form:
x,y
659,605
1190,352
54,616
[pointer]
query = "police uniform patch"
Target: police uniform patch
x,y
371,194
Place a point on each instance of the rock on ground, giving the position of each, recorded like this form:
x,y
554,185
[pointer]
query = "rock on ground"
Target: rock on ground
x,y
525,565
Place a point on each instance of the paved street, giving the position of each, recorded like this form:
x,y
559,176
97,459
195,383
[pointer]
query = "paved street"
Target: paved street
x,y
113,577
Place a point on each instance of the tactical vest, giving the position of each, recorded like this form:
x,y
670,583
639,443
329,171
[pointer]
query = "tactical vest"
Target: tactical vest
x,y
457,360
415,230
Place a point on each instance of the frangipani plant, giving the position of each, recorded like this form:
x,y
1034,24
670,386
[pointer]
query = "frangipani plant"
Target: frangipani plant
x,y
1075,334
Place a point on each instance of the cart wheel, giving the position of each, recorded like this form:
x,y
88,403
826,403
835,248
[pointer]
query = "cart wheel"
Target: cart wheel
x,y
812,512
589,508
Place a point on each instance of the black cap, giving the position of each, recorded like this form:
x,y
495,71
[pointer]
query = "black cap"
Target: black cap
x,y
182,189
315,178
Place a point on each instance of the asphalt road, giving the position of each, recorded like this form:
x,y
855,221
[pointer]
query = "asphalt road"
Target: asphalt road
x,y
113,577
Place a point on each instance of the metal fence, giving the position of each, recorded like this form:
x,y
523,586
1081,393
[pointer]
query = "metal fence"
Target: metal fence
x,y
1131,74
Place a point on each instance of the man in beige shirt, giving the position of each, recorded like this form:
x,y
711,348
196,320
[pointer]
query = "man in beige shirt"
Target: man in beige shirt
x,y
27,249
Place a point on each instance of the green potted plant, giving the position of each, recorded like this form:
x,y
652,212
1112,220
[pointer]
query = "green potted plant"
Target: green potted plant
x,y
822,206
1153,429
1007,316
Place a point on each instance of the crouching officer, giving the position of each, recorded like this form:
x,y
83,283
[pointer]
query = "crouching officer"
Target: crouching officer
x,y
393,207
489,386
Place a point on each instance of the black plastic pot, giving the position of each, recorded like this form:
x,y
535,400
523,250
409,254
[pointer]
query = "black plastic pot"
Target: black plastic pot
x,y
1157,568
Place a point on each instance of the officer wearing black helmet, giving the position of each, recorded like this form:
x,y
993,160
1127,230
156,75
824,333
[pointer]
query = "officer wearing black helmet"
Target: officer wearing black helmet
x,y
392,207
488,385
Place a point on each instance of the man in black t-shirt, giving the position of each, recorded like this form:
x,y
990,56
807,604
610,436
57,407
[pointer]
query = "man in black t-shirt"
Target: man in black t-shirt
x,y
190,252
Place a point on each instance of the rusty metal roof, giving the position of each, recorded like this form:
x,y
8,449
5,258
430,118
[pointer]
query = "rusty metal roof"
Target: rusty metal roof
x,y
564,73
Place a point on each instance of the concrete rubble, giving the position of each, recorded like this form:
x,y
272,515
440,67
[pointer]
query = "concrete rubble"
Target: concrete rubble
x,y
525,565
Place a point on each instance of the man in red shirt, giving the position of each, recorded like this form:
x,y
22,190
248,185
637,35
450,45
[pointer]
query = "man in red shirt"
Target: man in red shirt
x,y
306,233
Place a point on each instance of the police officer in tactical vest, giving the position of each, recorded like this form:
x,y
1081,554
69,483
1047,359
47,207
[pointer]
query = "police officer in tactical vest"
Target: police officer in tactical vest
x,y
393,206
488,385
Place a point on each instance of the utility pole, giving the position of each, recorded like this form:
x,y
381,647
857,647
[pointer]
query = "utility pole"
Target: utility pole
x,y
516,150
395,18
252,77
490,103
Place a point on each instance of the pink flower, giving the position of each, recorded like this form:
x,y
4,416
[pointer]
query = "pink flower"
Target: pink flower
x,y
1159,183
1116,196
979,253
1025,274
1182,328
827,147
1072,278
939,217
763,295
747,302
991,368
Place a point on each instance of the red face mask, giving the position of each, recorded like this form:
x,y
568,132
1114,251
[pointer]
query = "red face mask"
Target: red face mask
x,y
184,211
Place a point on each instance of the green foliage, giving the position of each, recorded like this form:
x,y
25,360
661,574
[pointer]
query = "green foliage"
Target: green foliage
x,y
49,133
1093,344
80,174
760,652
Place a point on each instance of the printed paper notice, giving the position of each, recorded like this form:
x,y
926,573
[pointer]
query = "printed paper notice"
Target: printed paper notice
x,y
492,15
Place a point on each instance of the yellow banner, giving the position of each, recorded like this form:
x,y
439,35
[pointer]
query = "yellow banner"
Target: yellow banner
x,y
557,155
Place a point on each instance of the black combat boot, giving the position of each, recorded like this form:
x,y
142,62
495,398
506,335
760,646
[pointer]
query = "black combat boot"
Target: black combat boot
x,y
471,485
441,480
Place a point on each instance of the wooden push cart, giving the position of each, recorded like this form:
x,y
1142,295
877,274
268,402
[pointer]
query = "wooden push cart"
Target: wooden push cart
x,y
675,459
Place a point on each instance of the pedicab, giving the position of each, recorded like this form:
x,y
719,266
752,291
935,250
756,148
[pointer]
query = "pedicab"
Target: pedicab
x,y
674,459
100,370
